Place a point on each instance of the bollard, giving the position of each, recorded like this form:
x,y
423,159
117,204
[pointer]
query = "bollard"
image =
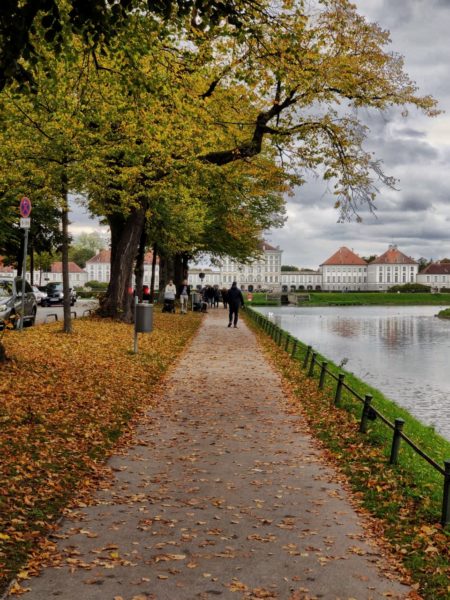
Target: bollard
x,y
308,351
445,519
311,366
340,383
294,349
365,412
396,439
323,372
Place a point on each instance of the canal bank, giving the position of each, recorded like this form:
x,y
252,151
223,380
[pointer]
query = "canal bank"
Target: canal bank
x,y
407,497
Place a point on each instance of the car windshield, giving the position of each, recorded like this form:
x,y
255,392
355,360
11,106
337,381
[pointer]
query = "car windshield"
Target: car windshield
x,y
6,289
53,287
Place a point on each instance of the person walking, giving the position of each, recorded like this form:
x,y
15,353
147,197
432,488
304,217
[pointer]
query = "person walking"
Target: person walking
x,y
235,301
169,297
184,291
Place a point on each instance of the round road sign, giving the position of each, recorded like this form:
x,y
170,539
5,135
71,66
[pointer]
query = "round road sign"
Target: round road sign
x,y
25,207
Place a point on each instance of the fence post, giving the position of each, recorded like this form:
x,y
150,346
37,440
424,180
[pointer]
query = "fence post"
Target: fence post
x,y
294,348
308,351
340,383
396,439
363,424
323,372
288,339
279,336
311,366
445,519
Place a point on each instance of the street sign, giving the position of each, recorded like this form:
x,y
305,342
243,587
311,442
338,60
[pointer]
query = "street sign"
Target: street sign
x,y
25,207
25,223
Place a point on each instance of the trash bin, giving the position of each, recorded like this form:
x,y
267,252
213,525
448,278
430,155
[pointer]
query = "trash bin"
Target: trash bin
x,y
195,299
144,318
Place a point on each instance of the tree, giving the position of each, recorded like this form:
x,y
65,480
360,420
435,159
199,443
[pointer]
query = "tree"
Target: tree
x,y
289,268
85,247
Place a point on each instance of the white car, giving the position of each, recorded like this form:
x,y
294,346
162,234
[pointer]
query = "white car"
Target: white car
x,y
38,294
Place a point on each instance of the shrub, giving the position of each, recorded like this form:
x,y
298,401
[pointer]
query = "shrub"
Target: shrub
x,y
409,288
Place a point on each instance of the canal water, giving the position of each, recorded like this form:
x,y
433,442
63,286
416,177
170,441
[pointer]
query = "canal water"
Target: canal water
x,y
402,351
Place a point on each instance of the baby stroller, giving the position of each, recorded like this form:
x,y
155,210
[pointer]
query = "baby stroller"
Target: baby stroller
x,y
168,306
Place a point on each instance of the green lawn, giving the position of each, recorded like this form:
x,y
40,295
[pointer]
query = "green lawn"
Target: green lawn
x,y
361,298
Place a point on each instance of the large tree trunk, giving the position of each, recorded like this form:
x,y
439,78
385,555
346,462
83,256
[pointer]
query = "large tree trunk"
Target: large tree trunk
x,y
140,265
166,272
125,236
153,277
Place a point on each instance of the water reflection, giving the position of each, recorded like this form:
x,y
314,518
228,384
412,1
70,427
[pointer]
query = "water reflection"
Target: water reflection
x,y
403,351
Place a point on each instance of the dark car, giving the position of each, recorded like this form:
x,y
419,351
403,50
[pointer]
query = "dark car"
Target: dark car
x,y
11,302
55,295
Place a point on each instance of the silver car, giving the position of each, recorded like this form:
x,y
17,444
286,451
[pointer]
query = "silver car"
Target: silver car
x,y
11,302
38,294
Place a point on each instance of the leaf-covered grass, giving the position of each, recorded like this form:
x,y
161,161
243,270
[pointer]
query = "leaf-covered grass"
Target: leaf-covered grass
x,y
405,499
64,401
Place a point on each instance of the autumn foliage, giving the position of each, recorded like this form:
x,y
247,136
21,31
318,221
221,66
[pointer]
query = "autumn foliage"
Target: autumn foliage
x,y
64,400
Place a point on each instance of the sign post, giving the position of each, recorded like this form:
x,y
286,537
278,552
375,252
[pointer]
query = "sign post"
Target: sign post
x,y
25,223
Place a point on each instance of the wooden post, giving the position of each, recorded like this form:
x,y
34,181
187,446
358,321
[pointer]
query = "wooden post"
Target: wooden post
x,y
396,439
311,366
365,412
340,383
323,372
288,339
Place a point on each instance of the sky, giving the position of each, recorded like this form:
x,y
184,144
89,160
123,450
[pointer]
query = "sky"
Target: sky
x,y
415,150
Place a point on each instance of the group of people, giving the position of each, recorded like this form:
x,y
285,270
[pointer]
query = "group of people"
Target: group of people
x,y
210,296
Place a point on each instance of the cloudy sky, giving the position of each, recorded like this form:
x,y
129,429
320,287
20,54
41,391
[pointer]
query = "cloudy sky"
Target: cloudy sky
x,y
415,150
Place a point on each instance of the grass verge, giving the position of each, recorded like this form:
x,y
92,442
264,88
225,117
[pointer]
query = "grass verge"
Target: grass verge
x,y
405,499
64,402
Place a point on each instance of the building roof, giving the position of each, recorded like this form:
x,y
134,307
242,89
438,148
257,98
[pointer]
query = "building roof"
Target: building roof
x,y
104,257
436,269
263,245
393,256
73,268
344,256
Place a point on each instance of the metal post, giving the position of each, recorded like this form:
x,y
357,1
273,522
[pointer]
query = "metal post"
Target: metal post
x,y
294,348
280,336
445,519
288,339
323,372
308,351
340,383
396,439
311,366
365,412
24,274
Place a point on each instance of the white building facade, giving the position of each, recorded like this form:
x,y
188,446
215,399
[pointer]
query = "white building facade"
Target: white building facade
x,y
344,271
293,281
436,275
263,273
391,268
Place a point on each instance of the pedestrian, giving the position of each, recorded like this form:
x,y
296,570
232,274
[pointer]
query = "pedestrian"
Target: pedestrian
x,y
224,293
184,292
216,296
169,297
235,301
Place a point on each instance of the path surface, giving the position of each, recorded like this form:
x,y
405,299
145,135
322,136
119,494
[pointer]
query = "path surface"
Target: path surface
x,y
224,496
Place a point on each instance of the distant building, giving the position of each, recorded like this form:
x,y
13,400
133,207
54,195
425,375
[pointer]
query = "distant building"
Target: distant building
x,y
293,281
263,273
211,277
344,271
391,268
98,268
77,276
436,275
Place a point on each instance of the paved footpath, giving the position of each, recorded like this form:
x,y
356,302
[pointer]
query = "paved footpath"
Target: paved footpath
x,y
224,495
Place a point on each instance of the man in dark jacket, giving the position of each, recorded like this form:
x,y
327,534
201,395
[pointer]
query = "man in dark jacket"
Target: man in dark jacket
x,y
235,301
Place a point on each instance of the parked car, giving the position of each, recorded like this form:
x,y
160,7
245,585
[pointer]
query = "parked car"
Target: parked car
x,y
38,294
55,295
11,301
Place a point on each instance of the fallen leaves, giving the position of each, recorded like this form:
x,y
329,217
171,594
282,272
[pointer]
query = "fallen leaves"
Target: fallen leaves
x,y
65,400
